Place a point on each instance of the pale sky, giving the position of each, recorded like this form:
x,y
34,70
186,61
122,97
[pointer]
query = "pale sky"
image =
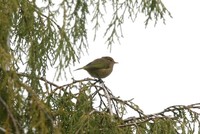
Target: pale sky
x,y
158,66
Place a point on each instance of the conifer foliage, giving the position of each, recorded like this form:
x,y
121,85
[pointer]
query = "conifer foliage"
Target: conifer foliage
x,y
37,35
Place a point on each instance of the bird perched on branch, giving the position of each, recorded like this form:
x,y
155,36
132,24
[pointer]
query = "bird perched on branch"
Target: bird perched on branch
x,y
100,68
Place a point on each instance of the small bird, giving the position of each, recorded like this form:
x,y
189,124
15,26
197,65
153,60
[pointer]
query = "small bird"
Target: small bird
x,y
100,68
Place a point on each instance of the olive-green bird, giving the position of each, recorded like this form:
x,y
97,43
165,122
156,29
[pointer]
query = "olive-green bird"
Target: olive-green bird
x,y
100,68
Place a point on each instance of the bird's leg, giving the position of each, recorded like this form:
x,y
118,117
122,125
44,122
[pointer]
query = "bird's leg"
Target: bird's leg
x,y
100,80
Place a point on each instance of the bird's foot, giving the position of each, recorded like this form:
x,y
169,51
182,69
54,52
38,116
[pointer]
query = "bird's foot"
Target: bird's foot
x,y
100,81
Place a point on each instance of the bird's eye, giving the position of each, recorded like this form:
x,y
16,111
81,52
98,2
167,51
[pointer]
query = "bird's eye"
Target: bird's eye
x,y
110,59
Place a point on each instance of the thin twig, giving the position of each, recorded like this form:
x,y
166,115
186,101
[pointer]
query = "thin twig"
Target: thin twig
x,y
133,120
11,115
40,78
2,129
108,99
40,104
100,96
126,103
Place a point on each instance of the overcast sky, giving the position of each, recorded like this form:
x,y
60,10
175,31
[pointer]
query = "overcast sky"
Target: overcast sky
x,y
158,66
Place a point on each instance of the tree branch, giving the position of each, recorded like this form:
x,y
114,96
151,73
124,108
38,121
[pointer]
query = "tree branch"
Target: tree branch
x,y
137,120
11,116
105,89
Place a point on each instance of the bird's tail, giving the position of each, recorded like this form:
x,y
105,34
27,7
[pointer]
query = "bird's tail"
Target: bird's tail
x,y
78,69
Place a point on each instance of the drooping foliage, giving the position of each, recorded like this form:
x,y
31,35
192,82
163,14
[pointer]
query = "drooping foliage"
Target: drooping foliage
x,y
37,35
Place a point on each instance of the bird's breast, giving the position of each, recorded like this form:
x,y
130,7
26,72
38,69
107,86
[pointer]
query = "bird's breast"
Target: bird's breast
x,y
100,73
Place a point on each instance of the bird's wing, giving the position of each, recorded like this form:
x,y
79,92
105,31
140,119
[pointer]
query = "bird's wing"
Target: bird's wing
x,y
96,64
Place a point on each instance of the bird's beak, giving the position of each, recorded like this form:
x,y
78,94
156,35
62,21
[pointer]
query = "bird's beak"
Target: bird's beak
x,y
116,62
